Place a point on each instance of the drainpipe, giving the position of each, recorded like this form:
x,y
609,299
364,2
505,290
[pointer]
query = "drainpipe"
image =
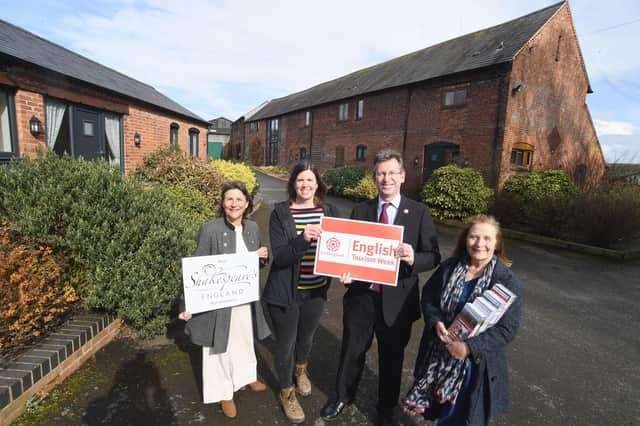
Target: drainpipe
x,y
498,135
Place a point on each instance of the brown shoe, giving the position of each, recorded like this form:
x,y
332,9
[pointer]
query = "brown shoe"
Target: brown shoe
x,y
303,384
258,386
291,406
229,408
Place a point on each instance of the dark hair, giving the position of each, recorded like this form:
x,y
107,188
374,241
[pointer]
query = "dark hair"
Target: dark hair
x,y
234,184
461,246
385,155
321,191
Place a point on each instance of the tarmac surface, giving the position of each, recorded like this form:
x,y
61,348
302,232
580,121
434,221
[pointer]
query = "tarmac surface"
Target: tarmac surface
x,y
574,361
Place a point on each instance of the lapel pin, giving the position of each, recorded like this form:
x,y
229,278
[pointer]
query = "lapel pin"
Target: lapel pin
x,y
405,211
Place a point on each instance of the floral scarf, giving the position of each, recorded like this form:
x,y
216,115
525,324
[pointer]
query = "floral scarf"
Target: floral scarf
x,y
442,375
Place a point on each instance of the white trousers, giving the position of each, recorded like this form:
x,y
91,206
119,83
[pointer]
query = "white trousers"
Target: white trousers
x,y
225,373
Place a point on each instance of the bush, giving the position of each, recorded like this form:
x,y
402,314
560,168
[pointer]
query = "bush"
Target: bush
x,y
193,206
609,217
542,201
37,289
237,171
171,166
456,193
128,240
341,178
364,190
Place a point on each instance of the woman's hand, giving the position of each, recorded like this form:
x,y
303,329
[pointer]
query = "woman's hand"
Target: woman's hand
x,y
184,316
345,278
263,252
312,232
458,350
441,331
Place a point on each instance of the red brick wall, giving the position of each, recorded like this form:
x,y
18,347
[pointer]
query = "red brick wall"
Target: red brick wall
x,y
151,123
551,112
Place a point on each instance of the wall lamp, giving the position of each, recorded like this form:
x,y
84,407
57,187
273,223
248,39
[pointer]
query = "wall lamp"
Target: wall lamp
x,y
35,126
519,88
416,162
136,139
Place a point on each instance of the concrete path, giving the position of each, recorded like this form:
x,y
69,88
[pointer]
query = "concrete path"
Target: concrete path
x,y
574,362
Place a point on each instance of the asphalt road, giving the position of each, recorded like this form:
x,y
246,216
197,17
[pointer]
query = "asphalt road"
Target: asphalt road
x,y
574,361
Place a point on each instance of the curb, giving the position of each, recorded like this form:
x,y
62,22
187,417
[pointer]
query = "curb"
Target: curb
x,y
554,242
52,360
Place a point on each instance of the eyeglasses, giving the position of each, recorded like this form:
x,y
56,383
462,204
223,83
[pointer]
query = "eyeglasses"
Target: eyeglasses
x,y
388,174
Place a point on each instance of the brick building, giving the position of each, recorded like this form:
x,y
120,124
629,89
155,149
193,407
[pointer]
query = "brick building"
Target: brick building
x,y
507,99
51,96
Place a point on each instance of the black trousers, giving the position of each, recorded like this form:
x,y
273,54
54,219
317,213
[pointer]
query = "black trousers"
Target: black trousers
x,y
294,328
362,318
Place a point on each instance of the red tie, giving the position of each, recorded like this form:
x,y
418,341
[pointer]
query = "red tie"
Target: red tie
x,y
384,218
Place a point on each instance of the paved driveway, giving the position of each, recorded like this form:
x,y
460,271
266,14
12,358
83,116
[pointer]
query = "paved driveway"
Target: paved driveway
x,y
574,362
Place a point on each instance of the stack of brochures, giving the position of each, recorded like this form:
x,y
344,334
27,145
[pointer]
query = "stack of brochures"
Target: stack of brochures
x,y
482,313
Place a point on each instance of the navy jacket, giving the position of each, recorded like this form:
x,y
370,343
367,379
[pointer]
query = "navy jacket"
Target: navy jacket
x,y
490,372
287,248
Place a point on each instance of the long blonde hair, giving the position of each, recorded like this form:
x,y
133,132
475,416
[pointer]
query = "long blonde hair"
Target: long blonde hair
x,y
461,247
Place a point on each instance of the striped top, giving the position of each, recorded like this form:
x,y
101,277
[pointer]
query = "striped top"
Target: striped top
x,y
303,217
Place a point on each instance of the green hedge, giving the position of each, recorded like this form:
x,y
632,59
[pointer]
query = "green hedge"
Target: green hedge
x,y
237,171
456,193
341,178
364,190
128,240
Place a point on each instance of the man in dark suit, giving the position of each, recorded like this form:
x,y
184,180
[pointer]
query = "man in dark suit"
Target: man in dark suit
x,y
386,311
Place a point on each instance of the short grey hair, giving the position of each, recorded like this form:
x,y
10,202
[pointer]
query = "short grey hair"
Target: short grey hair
x,y
387,154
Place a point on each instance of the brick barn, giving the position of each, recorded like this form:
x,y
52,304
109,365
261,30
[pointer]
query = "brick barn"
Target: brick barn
x,y
507,99
51,96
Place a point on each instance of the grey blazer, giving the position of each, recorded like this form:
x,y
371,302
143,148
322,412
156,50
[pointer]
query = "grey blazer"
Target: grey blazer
x,y
212,328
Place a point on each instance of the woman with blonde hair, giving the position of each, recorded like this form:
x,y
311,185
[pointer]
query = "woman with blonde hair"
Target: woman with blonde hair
x,y
465,382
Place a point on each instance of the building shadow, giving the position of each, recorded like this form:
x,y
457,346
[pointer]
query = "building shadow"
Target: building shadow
x,y
136,398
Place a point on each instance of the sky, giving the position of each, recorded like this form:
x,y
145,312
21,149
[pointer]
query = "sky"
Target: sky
x,y
224,58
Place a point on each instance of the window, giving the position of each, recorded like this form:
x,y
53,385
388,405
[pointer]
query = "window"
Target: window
x,y
360,109
307,119
343,112
193,141
253,126
272,154
454,98
339,156
361,153
8,143
521,156
173,134
238,151
303,153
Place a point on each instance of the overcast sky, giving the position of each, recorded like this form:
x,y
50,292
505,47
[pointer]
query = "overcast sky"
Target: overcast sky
x,y
223,58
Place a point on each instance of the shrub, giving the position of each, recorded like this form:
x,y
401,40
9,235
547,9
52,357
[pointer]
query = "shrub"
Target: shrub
x,y
543,201
171,166
364,190
128,240
37,289
341,178
190,203
609,217
456,193
237,171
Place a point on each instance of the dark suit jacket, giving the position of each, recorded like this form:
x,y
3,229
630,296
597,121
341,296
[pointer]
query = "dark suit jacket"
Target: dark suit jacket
x,y
420,233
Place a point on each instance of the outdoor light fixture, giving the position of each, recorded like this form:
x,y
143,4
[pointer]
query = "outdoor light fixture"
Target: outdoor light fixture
x,y
519,88
35,126
416,162
136,139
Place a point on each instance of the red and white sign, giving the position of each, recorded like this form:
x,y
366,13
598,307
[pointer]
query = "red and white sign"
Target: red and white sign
x,y
366,249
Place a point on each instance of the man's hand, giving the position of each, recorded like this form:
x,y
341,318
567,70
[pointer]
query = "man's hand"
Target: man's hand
x,y
405,253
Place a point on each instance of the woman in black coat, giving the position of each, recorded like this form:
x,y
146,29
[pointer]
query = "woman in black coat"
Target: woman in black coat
x,y
295,296
465,382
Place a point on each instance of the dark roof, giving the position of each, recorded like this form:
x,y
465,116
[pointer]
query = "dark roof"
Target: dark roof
x,y
28,47
491,46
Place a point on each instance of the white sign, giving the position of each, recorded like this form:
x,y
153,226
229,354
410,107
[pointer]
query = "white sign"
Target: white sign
x,y
220,281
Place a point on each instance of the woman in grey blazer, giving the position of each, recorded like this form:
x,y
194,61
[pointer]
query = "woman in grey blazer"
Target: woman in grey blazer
x,y
226,335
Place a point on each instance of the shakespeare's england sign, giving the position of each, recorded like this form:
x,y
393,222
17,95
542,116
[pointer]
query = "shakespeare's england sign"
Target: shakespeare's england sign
x,y
220,281
366,249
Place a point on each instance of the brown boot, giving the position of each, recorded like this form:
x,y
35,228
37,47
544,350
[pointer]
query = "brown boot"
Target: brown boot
x,y
229,408
290,405
303,384
258,386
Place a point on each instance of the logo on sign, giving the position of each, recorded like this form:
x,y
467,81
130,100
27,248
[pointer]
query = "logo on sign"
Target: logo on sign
x,y
333,244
